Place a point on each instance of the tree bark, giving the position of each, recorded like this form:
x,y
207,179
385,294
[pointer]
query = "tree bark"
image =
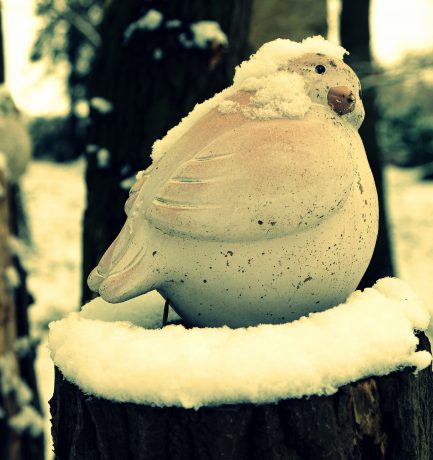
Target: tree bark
x,y
14,301
9,441
149,96
355,37
287,19
2,59
13,324
388,417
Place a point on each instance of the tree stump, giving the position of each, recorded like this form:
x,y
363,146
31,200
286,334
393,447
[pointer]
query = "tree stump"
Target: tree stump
x,y
388,417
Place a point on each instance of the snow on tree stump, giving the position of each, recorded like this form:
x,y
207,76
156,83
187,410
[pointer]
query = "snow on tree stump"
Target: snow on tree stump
x,y
385,416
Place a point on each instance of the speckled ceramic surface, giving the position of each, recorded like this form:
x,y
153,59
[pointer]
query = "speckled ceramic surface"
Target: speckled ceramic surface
x,y
249,220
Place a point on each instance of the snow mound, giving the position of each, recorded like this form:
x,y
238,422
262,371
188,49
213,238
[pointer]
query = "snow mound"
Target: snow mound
x,y
280,93
370,334
275,55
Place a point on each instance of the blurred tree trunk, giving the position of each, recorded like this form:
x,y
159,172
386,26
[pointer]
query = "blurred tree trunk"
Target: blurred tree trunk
x,y
287,19
16,373
151,82
2,58
355,37
18,387
9,441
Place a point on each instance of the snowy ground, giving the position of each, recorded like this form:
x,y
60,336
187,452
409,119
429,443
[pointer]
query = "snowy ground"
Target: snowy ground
x,y
54,195
54,198
410,204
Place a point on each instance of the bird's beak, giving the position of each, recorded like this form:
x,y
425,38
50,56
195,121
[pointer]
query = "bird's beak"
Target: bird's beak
x,y
341,99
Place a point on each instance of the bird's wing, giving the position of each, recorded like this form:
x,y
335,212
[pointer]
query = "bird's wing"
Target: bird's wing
x,y
260,180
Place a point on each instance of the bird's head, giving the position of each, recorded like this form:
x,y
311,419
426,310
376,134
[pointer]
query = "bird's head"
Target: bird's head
x,y
291,78
331,82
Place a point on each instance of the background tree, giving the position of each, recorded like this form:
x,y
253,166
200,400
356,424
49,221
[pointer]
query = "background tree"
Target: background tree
x,y
287,19
355,37
156,61
21,435
2,60
69,35
406,121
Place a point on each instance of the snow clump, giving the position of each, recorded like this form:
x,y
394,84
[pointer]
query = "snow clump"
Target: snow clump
x,y
204,33
115,352
103,158
275,55
150,21
27,419
277,95
101,105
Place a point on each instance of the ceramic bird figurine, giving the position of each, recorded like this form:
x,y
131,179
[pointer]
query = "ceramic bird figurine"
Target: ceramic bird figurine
x,y
260,206
15,142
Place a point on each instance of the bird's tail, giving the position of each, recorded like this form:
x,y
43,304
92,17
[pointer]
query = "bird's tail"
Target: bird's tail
x,y
127,269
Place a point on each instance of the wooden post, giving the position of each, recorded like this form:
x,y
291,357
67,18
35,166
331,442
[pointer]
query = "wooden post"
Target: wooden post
x,y
388,417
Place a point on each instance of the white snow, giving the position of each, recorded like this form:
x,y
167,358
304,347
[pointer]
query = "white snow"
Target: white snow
x,y
27,420
54,195
275,55
91,148
127,183
277,95
263,72
371,334
150,21
3,161
24,345
145,311
173,23
204,33
10,382
410,204
55,198
140,174
158,54
103,158
12,277
101,105
17,247
228,106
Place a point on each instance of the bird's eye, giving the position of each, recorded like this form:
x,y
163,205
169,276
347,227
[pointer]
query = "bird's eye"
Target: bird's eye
x,y
320,69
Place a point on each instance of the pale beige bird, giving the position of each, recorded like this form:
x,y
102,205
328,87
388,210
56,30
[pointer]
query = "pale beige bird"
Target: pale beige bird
x,y
260,207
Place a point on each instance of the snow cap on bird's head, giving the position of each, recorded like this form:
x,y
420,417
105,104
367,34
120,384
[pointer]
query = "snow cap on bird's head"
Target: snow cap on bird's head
x,y
276,55
289,80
